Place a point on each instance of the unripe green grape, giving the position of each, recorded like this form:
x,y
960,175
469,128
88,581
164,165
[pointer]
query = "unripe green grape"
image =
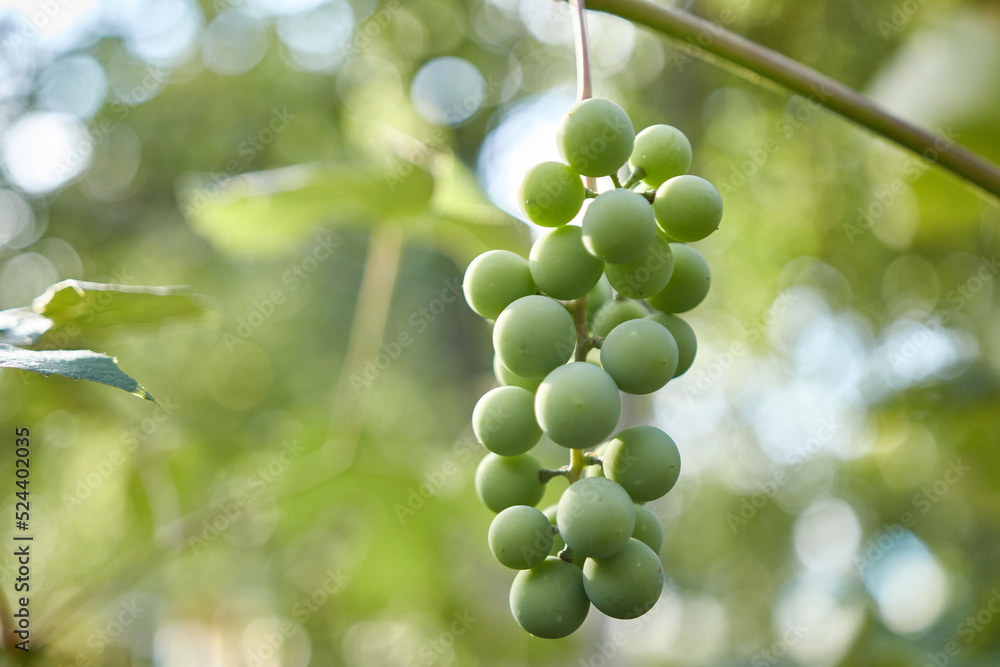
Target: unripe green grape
x,y
551,194
548,600
595,137
688,208
618,226
494,280
520,537
560,265
509,379
646,275
578,405
640,355
644,461
505,481
552,513
662,152
648,528
504,421
627,584
533,335
687,342
596,517
689,284
594,357
615,312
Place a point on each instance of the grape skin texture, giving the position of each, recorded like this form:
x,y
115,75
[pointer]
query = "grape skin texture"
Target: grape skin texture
x,y
614,312
662,152
548,600
596,517
551,194
495,279
648,528
644,461
560,265
640,355
533,335
595,137
505,481
505,377
504,421
646,275
520,537
627,584
618,226
688,286
687,343
688,208
578,405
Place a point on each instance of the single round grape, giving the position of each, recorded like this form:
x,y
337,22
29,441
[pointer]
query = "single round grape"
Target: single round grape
x,y
505,377
687,343
648,528
548,600
551,194
627,584
596,517
560,265
689,284
640,355
533,335
662,152
618,226
504,421
646,275
594,357
615,312
688,208
595,137
505,481
494,280
520,537
578,405
644,461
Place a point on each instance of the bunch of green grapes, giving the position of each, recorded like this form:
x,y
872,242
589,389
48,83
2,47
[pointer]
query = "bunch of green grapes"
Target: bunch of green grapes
x,y
590,313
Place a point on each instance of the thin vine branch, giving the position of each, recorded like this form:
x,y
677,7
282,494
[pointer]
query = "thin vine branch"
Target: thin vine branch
x,y
714,43
584,87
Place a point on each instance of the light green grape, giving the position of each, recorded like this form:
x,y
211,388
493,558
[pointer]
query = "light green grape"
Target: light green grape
x,y
560,265
640,355
646,275
648,528
548,600
615,312
687,343
596,517
662,152
551,194
505,481
520,537
644,461
689,284
533,335
494,280
595,137
578,405
618,226
627,584
688,208
505,377
504,421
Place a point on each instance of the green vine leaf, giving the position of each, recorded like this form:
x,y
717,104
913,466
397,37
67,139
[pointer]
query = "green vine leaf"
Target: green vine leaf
x,y
99,305
76,364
